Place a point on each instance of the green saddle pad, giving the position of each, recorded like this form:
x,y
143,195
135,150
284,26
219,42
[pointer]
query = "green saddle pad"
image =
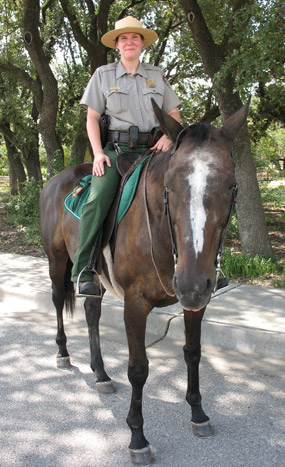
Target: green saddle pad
x,y
74,201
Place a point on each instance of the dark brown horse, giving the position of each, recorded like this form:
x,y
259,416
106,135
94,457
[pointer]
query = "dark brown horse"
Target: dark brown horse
x,y
194,186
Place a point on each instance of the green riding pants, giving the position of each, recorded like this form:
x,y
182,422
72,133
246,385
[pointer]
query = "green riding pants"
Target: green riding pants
x,y
102,193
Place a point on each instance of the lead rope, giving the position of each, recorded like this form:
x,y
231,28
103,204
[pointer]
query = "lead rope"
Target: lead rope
x,y
149,230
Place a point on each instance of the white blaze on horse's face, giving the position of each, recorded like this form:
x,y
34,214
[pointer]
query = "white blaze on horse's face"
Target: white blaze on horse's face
x,y
200,164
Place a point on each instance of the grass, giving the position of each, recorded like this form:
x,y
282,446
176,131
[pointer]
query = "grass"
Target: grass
x,y
243,266
273,193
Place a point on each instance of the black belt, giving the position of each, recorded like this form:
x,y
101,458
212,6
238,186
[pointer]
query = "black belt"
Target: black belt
x,y
123,137
133,137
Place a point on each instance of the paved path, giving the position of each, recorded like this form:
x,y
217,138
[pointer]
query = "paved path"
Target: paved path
x,y
51,417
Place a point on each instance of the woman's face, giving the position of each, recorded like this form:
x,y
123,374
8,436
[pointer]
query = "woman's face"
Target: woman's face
x,y
130,45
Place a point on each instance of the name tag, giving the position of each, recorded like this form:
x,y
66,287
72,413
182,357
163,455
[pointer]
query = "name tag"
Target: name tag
x,y
114,88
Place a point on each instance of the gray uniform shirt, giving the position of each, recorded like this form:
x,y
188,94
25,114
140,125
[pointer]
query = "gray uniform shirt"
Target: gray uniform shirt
x,y
126,98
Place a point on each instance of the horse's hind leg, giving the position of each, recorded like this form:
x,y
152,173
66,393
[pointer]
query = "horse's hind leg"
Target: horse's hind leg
x,y
93,313
60,284
192,354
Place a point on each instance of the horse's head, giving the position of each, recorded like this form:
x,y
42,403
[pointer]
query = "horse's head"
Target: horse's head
x,y
199,183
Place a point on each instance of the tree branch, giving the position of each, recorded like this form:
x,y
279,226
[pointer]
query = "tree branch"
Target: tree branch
x,y
25,79
75,26
211,54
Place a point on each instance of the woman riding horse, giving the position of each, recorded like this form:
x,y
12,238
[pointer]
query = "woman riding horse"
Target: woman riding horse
x,y
123,91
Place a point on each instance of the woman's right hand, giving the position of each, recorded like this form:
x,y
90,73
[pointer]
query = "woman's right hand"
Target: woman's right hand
x,y
98,164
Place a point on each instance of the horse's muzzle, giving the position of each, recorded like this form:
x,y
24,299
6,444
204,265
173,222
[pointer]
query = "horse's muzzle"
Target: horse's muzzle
x,y
193,293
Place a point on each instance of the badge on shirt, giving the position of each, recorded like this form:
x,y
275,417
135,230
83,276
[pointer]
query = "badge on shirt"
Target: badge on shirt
x,y
114,88
150,83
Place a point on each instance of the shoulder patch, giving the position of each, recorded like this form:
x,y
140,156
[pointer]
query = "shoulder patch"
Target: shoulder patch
x,y
152,67
108,67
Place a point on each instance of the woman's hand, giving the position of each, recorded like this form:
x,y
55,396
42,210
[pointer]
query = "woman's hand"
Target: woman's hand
x,y
163,144
98,164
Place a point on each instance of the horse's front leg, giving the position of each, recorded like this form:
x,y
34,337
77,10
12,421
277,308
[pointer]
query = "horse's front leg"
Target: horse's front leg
x,y
93,313
135,316
192,354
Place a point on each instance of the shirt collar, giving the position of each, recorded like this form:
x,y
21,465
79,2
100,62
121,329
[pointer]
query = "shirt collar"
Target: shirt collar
x,y
120,70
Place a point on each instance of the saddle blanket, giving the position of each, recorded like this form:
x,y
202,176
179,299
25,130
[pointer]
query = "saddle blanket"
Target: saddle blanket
x,y
75,199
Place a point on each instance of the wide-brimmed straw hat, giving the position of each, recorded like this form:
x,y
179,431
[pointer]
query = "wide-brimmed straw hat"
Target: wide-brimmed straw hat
x,y
128,24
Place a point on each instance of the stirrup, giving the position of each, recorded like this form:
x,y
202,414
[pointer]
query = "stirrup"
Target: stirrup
x,y
78,294
223,278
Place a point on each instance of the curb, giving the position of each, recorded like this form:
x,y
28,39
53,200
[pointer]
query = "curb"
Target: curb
x,y
226,332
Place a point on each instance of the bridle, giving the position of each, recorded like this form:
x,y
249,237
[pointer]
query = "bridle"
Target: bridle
x,y
221,244
174,249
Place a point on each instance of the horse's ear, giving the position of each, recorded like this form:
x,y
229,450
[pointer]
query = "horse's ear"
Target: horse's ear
x,y
168,125
234,123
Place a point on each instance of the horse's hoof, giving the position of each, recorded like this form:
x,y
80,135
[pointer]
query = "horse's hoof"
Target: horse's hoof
x,y
106,387
143,456
63,362
203,430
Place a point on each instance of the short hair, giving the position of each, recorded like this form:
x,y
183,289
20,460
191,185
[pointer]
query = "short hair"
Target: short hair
x,y
125,33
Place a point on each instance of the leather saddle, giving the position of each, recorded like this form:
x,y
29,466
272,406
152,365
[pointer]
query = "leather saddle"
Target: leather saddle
x,y
126,165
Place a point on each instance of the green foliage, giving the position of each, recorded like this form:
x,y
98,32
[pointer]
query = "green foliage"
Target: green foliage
x,y
243,266
233,232
57,162
268,141
273,193
3,159
25,207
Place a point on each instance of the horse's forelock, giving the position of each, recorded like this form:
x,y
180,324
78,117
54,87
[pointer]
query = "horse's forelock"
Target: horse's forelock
x,y
200,132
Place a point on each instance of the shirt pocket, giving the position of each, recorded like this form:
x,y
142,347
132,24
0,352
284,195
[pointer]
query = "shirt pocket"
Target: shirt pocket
x,y
117,100
155,93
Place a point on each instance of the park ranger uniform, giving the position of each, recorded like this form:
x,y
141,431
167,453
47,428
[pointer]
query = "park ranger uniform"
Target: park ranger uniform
x,y
126,99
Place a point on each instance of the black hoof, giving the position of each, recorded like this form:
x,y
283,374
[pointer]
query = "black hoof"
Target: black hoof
x,y
63,362
203,430
143,456
106,387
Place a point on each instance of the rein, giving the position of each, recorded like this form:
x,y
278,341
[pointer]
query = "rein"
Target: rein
x,y
171,294
221,245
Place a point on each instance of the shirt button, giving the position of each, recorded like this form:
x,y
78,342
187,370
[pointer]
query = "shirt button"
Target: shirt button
x,y
137,108
135,93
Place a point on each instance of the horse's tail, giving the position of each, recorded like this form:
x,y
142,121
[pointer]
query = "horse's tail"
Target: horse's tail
x,y
69,289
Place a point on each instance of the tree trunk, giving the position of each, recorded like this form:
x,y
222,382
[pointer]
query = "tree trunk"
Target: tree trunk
x,y
16,173
49,105
250,214
79,143
252,227
32,162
